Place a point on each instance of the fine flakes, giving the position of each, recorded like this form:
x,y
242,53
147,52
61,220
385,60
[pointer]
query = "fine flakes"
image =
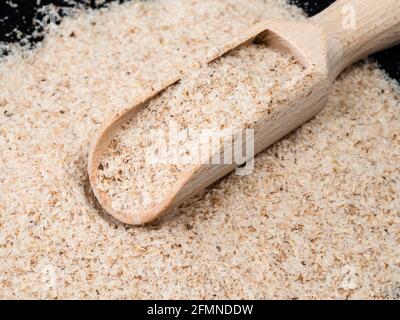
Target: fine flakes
x,y
232,93
318,218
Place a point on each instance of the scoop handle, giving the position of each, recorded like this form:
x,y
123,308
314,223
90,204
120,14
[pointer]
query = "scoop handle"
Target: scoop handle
x,y
358,28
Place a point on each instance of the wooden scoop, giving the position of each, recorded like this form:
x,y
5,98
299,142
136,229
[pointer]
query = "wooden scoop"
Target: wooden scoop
x,y
329,42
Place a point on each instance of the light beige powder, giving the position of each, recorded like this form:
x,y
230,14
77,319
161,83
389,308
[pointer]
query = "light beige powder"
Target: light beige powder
x,y
232,93
318,218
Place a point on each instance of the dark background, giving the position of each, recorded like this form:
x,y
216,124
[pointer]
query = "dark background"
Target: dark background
x,y
19,20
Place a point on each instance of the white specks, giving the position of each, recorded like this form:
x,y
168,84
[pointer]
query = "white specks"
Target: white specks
x,y
237,240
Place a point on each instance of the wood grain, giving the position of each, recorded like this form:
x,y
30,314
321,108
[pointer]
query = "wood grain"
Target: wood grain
x,y
322,43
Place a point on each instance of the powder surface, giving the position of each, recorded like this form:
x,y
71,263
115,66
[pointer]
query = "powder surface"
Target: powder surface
x,y
232,93
318,218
